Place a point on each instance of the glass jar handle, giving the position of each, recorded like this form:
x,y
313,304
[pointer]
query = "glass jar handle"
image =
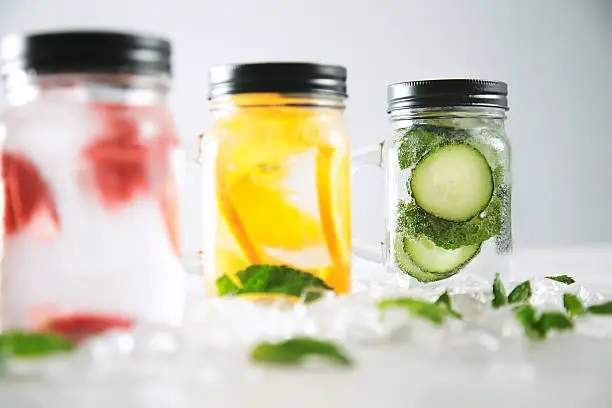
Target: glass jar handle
x,y
192,156
369,156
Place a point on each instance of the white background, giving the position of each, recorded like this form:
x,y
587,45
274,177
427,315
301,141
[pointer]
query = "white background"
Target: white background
x,y
556,56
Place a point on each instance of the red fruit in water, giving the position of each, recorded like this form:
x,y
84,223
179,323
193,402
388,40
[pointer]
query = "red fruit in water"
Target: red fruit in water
x,y
123,165
77,327
119,161
27,195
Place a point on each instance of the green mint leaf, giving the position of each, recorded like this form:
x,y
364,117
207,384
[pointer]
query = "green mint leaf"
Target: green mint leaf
x,y
296,350
554,320
414,144
413,221
537,328
572,304
527,317
499,293
434,312
417,141
601,309
225,286
520,294
445,300
568,280
272,279
27,345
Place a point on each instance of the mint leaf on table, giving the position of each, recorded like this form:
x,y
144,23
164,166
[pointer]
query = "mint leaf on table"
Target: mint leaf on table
x,y
601,309
554,320
527,317
537,328
499,293
520,294
445,300
434,312
30,344
295,351
271,279
568,280
413,221
572,304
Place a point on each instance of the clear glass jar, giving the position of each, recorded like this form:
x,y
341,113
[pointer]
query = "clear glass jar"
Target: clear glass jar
x,y
448,176
275,166
91,224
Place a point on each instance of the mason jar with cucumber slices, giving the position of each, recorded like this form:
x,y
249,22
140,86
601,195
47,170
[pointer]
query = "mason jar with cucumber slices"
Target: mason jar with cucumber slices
x,y
447,165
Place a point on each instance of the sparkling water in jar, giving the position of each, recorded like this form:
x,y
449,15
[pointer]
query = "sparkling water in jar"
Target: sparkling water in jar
x,y
275,166
447,166
91,224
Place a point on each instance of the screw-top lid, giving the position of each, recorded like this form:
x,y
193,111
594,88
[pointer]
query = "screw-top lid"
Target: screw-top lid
x,y
86,52
447,92
281,77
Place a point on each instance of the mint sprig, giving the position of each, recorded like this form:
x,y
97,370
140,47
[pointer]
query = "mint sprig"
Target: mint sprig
x,y
520,294
568,280
538,327
436,312
294,351
527,317
272,279
554,321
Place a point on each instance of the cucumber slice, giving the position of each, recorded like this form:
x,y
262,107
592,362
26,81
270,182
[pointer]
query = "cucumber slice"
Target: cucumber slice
x,y
452,182
424,261
427,256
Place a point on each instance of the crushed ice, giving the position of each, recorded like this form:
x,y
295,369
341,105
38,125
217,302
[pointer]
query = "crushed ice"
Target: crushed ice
x,y
211,351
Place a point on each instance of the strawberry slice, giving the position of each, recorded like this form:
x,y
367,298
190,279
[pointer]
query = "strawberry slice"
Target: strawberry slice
x,y
78,327
119,161
28,197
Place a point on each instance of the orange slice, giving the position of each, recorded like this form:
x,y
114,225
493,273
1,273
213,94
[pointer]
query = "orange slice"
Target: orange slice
x,y
332,167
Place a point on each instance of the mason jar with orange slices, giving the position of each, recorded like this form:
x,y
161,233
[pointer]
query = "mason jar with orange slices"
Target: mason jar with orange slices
x,y
275,166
